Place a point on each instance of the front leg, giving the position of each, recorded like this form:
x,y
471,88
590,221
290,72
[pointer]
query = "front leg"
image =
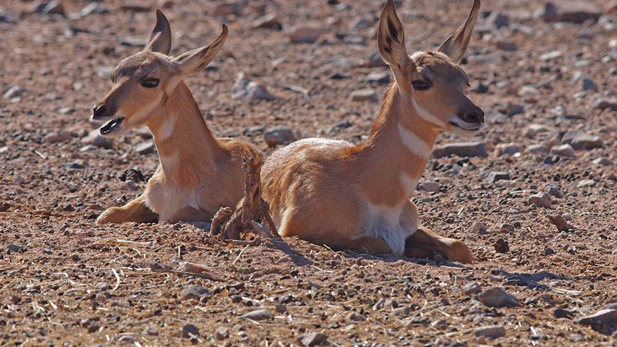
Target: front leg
x,y
425,240
135,211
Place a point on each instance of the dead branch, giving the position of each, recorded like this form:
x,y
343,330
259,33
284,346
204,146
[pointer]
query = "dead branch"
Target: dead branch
x,y
252,214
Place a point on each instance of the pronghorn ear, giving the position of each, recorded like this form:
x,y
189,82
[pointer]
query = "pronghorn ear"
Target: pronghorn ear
x,y
160,39
196,60
391,38
456,45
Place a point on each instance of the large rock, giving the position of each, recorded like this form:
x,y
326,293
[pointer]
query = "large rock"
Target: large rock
x,y
463,149
491,332
537,149
364,95
227,9
573,11
497,176
588,85
507,149
601,104
586,142
194,292
506,45
429,186
604,161
147,147
246,89
221,333
497,297
305,34
61,136
606,316
94,138
565,151
268,21
279,135
471,288
378,77
498,19
534,129
313,339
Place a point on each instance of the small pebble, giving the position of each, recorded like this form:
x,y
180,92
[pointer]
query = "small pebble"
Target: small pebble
x,y
13,248
151,331
491,332
258,315
355,317
190,331
221,333
471,288
540,200
313,339
502,246
563,313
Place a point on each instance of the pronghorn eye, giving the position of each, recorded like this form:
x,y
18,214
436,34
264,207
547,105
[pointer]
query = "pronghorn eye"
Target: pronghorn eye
x,y
420,85
150,82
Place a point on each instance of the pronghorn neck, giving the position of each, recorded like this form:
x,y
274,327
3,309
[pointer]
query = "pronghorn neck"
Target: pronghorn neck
x,y
397,151
186,147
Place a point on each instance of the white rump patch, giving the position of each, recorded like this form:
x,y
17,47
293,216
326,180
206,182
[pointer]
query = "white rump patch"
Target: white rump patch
x,y
414,144
426,115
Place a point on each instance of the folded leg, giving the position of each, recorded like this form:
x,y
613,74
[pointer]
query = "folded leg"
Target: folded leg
x,y
424,241
135,211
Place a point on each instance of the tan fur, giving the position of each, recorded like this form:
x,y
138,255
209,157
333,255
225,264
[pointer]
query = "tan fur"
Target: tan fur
x,y
331,192
198,174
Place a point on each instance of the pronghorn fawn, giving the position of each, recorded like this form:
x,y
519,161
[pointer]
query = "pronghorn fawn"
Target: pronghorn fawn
x,y
198,173
357,197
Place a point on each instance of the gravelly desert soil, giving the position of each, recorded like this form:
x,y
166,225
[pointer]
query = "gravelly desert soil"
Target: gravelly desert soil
x,y
65,281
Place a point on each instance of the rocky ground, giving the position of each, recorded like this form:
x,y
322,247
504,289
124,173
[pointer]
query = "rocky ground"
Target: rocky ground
x,y
533,195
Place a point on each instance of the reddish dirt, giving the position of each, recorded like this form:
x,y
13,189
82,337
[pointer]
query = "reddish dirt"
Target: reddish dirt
x,y
65,281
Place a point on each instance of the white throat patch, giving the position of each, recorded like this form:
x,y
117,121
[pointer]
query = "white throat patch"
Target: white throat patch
x,y
409,183
414,143
426,115
168,128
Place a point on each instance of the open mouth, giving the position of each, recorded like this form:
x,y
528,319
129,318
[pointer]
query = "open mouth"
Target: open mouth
x,y
466,126
109,126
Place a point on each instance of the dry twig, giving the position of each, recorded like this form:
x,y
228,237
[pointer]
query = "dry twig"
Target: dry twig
x,y
253,211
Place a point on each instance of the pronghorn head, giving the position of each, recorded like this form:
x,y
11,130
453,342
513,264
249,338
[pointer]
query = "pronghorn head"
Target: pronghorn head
x,y
143,82
433,81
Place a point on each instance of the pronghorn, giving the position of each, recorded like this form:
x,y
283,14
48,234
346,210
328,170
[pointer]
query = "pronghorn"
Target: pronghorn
x,y
357,197
197,173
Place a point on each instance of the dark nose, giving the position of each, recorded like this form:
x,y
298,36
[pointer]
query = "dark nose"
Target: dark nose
x,y
472,115
99,111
